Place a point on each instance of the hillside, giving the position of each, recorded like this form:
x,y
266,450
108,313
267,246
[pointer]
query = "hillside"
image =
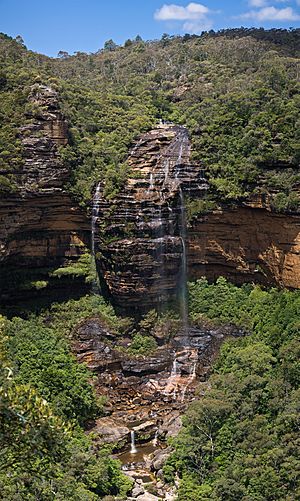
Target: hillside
x,y
150,269
236,91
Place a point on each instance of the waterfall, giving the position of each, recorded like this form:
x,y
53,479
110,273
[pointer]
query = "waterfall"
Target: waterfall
x,y
166,170
191,378
95,214
155,440
183,296
174,368
133,449
171,385
151,185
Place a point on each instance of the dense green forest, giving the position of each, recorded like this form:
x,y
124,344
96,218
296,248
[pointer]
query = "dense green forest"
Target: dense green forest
x,y
240,441
237,91
46,399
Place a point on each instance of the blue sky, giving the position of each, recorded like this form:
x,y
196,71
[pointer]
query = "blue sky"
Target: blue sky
x,y
48,26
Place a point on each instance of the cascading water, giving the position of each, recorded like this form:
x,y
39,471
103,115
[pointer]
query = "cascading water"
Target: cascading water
x,y
191,378
133,449
155,440
95,214
151,185
171,383
174,368
183,297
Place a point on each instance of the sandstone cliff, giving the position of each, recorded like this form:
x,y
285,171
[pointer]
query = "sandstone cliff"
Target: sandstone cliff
x,y
140,235
246,244
140,240
140,251
41,228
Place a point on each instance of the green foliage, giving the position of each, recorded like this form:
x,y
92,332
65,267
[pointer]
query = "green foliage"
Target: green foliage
x,y
223,302
199,207
39,349
240,441
236,90
42,358
83,267
142,345
44,395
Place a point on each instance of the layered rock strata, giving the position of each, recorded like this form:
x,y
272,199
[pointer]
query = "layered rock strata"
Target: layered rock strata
x,y
140,252
140,247
152,389
41,228
246,244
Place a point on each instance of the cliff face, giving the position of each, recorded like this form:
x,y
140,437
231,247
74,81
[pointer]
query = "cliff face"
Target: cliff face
x,y
246,244
142,243
40,226
140,249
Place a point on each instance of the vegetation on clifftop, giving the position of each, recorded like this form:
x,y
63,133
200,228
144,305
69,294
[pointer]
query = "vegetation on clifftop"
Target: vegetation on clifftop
x,y
236,90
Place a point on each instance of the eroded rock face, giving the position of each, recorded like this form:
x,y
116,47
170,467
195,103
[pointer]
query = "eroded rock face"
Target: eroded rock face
x,y
140,248
246,244
140,253
41,228
146,394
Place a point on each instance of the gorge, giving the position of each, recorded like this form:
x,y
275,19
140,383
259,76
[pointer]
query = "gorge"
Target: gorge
x,y
149,270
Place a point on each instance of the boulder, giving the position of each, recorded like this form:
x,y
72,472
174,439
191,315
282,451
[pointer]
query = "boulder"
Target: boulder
x,y
110,431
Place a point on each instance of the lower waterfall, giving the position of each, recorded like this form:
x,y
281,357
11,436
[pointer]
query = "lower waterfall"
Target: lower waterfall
x,y
133,449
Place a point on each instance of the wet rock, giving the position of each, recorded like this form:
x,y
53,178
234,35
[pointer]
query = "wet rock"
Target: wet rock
x,y
150,365
147,497
171,426
140,268
145,431
91,345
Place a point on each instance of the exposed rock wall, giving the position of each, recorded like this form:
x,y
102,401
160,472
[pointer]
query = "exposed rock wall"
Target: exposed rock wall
x,y
140,248
140,251
40,226
246,244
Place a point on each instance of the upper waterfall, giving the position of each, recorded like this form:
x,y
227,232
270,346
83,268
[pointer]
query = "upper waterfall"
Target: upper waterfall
x,y
144,256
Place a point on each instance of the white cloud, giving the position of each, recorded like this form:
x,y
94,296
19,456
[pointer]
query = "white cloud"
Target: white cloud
x,y
194,17
174,12
272,14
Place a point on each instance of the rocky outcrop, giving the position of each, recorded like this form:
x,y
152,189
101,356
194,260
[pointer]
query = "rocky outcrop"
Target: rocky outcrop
x,y
246,244
140,253
41,228
148,393
140,247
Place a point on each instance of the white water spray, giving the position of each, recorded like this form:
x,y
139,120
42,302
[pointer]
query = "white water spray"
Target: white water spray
x,y
133,449
191,378
155,440
95,214
183,299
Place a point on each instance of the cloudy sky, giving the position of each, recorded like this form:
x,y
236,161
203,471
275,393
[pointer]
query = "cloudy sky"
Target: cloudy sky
x,y
84,25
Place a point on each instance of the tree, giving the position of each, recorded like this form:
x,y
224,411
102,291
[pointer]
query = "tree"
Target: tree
x,y
110,45
20,40
63,54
